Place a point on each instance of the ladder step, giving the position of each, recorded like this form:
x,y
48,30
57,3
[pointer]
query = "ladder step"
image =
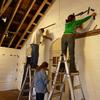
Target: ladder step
x,y
33,69
74,74
56,94
25,92
77,87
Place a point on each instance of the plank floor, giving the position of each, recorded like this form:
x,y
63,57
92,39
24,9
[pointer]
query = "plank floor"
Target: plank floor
x,y
9,95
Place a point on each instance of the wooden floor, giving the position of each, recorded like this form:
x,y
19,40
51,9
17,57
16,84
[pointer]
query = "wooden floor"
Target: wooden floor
x,y
9,95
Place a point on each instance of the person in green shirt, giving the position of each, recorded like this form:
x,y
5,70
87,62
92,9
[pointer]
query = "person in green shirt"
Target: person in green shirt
x,y
68,39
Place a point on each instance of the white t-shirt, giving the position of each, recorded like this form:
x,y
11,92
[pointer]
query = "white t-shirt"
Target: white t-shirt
x,y
36,37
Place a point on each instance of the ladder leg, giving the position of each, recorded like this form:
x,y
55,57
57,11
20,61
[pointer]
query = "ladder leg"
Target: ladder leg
x,y
69,79
54,81
30,84
71,87
23,84
81,88
62,87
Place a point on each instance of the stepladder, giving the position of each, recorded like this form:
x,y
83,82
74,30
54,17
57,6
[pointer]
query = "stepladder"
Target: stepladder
x,y
70,79
27,84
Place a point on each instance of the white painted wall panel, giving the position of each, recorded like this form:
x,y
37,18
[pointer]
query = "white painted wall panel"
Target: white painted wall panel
x,y
8,68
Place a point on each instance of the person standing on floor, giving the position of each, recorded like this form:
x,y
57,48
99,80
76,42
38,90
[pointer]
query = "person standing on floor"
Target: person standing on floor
x,y
68,39
41,81
35,47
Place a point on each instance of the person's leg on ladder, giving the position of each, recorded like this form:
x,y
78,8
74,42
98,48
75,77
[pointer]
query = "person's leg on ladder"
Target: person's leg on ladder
x,y
64,45
71,45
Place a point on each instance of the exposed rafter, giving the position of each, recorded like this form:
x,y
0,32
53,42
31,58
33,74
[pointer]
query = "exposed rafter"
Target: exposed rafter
x,y
18,4
23,16
38,13
4,6
22,22
34,17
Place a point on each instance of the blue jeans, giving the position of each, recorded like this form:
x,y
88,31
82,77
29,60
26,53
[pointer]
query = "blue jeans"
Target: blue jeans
x,y
34,55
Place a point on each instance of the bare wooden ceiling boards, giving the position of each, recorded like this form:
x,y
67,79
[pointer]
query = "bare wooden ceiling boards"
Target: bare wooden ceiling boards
x,y
22,17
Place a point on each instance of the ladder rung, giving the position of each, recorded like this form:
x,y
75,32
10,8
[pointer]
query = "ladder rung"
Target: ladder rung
x,y
57,94
33,69
24,97
25,90
77,87
58,84
73,74
62,73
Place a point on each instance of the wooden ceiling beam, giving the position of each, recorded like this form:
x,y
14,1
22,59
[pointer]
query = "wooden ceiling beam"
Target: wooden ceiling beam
x,y
4,7
33,19
11,32
18,4
48,3
22,22
41,14
34,23
29,32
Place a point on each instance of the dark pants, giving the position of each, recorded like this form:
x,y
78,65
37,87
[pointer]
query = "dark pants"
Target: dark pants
x,y
34,55
69,42
39,96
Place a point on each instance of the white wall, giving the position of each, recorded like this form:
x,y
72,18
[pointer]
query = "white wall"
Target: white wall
x,y
87,50
8,68
21,64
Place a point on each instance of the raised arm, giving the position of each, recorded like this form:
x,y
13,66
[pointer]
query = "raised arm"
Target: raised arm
x,y
81,21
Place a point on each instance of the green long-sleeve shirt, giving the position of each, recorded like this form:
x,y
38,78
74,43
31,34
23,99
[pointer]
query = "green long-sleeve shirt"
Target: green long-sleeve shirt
x,y
71,26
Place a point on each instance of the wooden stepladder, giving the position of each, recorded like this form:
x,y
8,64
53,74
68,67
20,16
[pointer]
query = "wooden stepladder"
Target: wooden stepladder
x,y
26,88
69,76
